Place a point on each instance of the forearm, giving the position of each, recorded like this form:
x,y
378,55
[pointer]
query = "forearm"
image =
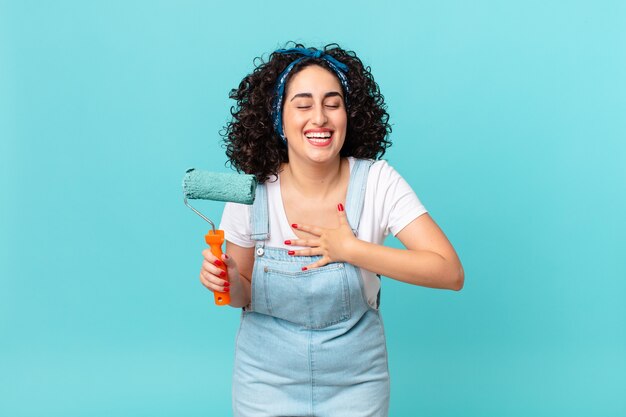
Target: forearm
x,y
240,294
417,267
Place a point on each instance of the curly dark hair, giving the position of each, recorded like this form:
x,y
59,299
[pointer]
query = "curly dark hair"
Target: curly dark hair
x,y
253,146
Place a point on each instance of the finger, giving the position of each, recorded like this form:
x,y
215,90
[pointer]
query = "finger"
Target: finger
x,y
314,230
322,262
229,262
306,252
208,255
303,242
343,219
214,283
213,269
214,279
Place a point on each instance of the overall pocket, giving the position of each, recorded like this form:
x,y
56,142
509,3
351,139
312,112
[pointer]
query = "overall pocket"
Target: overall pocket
x,y
313,299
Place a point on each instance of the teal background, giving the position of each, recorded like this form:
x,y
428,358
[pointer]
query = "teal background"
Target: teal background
x,y
509,121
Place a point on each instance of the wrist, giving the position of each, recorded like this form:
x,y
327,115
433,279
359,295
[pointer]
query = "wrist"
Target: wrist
x,y
351,250
239,292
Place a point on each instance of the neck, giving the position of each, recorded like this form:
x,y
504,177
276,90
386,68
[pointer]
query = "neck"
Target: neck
x,y
312,180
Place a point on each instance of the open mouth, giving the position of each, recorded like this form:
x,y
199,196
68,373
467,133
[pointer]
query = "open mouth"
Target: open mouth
x,y
319,138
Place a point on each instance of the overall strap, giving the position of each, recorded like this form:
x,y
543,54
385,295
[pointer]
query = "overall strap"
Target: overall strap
x,y
260,217
356,192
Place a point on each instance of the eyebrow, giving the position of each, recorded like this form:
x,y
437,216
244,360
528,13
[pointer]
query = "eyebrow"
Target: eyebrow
x,y
309,95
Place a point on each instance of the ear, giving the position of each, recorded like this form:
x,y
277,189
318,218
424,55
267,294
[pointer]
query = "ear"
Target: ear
x,y
283,134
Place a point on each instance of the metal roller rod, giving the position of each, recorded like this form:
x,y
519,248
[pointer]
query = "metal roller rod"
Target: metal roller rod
x,y
198,213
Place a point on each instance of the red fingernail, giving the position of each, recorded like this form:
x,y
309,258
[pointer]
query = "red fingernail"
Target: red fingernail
x,y
340,207
227,284
226,289
291,252
295,226
304,268
222,274
218,262
226,256
287,242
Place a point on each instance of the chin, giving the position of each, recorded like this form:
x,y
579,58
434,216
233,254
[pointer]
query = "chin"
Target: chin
x,y
324,152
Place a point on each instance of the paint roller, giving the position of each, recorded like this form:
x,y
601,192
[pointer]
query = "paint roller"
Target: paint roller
x,y
204,185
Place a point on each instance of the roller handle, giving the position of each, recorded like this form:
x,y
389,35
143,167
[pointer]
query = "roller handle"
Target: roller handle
x,y
215,240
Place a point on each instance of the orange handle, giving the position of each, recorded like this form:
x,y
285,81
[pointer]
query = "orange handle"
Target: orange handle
x,y
215,240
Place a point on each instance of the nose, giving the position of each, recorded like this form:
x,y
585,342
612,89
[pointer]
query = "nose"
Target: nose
x,y
319,116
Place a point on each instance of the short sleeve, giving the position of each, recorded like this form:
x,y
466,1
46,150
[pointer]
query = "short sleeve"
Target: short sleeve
x,y
236,224
400,204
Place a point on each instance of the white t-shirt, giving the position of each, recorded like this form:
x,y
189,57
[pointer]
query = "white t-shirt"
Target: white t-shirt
x,y
390,204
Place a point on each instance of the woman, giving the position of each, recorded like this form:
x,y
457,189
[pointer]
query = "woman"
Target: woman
x,y
304,261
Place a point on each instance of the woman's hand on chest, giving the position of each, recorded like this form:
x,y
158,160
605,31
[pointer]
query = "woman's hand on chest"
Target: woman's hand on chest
x,y
332,244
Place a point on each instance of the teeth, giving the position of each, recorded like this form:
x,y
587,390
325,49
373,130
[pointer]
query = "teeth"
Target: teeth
x,y
318,135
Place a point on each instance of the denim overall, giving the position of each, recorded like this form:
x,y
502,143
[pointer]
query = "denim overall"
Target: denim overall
x,y
309,344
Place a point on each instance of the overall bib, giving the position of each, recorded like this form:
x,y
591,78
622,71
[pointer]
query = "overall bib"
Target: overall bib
x,y
309,344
